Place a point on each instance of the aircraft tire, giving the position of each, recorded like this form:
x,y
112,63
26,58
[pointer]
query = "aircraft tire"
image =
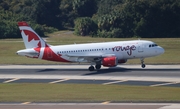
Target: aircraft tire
x,y
91,68
98,66
143,65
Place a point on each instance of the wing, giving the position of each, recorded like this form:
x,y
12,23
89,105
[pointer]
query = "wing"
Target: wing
x,y
87,57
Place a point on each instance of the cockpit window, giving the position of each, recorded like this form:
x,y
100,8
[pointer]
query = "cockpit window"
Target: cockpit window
x,y
153,45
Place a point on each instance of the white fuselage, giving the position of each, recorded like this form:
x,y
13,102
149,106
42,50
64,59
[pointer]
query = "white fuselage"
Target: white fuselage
x,y
121,49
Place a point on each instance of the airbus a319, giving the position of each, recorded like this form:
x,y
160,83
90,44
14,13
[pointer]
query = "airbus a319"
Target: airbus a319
x,y
107,54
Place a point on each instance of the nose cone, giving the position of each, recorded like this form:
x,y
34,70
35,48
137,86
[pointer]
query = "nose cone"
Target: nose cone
x,y
160,50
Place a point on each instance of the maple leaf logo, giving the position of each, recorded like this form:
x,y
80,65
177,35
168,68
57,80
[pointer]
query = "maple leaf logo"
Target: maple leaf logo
x,y
35,43
31,40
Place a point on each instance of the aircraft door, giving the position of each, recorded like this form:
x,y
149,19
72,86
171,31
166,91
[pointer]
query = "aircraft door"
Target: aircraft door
x,y
140,47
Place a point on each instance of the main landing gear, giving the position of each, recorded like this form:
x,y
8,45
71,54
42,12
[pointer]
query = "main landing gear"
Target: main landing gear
x,y
91,68
142,63
97,66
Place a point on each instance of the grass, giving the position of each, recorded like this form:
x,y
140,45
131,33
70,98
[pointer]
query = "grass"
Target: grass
x,y
86,93
9,47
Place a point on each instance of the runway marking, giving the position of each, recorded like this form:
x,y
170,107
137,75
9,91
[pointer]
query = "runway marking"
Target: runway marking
x,y
114,82
164,84
58,81
8,81
106,102
26,103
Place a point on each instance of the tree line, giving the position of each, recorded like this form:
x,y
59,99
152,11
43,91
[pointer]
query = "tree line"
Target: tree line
x,y
96,18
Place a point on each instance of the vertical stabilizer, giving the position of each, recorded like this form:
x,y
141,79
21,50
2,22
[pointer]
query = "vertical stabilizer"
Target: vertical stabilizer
x,y
30,37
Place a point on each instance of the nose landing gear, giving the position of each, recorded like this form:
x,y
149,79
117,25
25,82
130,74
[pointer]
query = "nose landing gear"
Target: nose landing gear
x,y
142,63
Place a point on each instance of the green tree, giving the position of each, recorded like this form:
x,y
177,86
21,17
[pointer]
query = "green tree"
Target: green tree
x,y
157,18
84,8
85,26
8,25
144,18
107,6
67,14
72,9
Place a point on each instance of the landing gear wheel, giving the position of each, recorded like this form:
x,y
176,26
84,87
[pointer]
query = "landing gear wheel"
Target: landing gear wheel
x,y
98,66
91,68
143,65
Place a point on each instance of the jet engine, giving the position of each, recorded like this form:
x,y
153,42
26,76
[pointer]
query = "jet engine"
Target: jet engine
x,y
110,61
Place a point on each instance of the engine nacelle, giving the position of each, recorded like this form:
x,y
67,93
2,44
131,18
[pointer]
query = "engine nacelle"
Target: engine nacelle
x,y
110,61
121,61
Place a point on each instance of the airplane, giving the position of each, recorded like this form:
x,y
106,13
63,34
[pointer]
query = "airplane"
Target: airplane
x,y
107,54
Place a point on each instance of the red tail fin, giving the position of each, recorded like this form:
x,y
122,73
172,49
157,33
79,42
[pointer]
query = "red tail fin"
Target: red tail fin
x,y
30,37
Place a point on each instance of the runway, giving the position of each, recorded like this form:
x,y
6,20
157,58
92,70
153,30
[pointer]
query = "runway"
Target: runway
x,y
91,106
153,75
